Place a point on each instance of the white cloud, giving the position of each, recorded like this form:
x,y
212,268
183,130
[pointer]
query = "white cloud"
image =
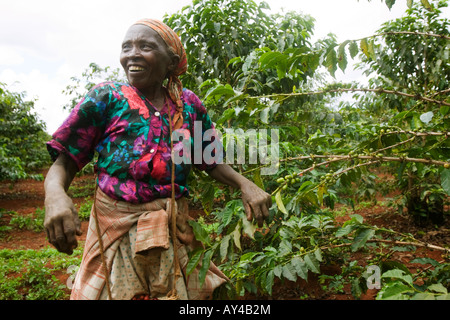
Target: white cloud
x,y
10,56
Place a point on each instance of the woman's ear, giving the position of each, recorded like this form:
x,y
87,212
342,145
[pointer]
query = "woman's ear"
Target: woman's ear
x,y
174,63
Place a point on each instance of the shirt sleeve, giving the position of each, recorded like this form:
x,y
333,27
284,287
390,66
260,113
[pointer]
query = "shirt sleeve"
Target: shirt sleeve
x,y
208,148
79,134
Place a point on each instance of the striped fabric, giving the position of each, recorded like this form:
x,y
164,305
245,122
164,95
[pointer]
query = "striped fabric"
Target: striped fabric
x,y
173,42
116,219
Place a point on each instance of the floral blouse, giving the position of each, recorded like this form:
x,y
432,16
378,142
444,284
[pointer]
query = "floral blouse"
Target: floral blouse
x,y
132,140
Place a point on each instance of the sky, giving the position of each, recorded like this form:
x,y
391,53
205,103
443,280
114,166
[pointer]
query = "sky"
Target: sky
x,y
44,43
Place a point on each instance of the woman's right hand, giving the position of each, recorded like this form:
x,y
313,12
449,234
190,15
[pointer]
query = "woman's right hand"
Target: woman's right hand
x,y
61,222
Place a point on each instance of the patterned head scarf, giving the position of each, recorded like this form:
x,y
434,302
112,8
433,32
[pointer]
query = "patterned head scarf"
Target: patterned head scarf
x,y
173,42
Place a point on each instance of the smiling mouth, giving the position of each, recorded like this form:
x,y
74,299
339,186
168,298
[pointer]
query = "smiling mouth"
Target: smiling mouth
x,y
135,69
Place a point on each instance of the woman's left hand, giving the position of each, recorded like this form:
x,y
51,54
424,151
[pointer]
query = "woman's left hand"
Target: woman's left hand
x,y
256,202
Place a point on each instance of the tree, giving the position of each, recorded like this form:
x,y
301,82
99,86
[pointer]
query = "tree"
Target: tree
x,y
410,55
22,137
89,78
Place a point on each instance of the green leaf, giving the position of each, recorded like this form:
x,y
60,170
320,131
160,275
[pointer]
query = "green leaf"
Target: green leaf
x,y
353,49
394,291
365,47
425,261
427,5
206,262
224,245
200,233
390,3
264,115
280,203
248,227
194,260
278,270
343,231
444,110
312,263
300,266
445,180
226,115
269,282
409,3
443,297
398,274
318,254
320,192
258,179
361,238
217,27
271,59
371,50
342,56
331,61
289,272
424,296
437,287
236,234
208,197
220,91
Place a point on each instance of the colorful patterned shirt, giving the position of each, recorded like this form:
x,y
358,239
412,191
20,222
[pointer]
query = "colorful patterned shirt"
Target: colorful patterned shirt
x,y
132,140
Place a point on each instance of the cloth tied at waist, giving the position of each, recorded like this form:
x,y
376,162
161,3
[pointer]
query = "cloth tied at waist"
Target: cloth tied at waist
x,y
153,229
115,220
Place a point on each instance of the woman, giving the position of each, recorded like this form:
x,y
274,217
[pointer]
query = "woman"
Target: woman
x,y
129,126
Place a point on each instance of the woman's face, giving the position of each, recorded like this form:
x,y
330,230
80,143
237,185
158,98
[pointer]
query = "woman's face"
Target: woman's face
x,y
145,58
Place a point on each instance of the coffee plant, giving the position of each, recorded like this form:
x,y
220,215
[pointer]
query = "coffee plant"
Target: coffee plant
x,y
274,77
22,137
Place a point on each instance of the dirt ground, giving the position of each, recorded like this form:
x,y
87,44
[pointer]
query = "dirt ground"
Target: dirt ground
x,y
25,196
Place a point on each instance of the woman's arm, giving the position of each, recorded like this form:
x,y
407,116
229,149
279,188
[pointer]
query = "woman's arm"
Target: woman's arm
x,y
256,201
61,219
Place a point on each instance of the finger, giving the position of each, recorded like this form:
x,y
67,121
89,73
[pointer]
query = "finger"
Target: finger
x,y
59,240
70,231
258,216
78,230
269,200
265,211
248,211
51,237
64,235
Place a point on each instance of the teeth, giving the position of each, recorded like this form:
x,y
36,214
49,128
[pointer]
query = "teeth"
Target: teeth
x,y
136,68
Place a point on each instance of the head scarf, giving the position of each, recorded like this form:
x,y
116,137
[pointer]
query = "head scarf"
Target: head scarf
x,y
173,42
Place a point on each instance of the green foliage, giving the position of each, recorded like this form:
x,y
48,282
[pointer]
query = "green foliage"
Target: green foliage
x,y
401,284
273,79
28,222
22,137
28,274
90,77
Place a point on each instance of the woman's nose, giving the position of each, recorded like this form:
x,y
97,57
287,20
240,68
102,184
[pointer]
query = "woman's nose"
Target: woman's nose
x,y
134,52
